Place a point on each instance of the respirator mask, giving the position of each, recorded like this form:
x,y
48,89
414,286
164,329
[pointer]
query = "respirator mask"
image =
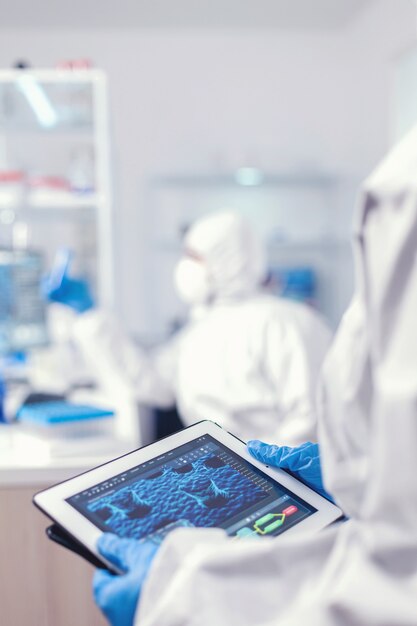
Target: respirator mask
x,y
192,281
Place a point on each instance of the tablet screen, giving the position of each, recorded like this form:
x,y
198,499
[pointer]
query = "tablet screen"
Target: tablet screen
x,y
200,483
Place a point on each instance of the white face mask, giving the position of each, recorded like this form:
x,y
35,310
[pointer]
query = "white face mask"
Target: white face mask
x,y
192,281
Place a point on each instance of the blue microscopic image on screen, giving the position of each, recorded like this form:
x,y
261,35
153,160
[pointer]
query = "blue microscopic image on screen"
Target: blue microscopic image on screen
x,y
205,492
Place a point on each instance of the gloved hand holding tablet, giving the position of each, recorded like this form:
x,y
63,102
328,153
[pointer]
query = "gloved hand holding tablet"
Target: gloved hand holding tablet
x,y
200,477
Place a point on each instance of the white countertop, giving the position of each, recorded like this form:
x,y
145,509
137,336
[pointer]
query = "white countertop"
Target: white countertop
x,y
26,461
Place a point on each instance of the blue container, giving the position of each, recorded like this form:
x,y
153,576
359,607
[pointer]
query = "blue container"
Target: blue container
x,y
295,283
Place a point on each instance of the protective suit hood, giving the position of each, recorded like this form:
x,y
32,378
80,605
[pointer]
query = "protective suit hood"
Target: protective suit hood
x,y
232,252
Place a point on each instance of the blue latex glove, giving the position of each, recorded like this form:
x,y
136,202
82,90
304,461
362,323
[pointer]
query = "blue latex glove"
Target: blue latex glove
x,y
303,462
72,292
58,286
118,596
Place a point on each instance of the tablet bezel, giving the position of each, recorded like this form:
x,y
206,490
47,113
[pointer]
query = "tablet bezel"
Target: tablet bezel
x,y
52,501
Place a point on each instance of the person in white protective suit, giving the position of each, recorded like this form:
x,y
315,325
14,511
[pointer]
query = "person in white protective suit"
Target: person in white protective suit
x,y
362,572
246,359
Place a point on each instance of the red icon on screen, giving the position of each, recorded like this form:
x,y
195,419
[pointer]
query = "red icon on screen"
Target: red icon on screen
x,y
290,510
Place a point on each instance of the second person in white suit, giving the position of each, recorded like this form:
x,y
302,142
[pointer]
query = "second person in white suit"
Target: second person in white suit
x,y
245,359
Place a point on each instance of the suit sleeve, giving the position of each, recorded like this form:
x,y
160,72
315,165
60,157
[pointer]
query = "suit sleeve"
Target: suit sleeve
x,y
117,362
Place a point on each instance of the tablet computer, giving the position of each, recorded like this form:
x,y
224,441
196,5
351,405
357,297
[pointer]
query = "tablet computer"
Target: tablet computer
x,y
201,476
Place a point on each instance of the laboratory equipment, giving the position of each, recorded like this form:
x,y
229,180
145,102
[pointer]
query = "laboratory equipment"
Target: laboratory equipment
x,y
61,428
296,283
59,412
22,309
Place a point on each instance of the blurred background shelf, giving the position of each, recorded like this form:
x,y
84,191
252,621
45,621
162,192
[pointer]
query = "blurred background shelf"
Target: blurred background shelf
x,y
49,200
248,177
55,170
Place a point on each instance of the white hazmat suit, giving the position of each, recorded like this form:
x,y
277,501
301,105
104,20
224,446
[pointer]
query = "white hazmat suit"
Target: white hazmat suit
x,y
246,360
362,572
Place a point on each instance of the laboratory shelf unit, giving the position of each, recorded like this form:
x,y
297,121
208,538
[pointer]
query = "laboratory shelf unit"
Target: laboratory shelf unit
x,y
55,169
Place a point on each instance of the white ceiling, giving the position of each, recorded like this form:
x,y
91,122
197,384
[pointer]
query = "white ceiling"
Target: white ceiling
x,y
287,14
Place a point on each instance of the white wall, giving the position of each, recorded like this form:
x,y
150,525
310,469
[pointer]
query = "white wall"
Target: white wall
x,y
405,101
183,100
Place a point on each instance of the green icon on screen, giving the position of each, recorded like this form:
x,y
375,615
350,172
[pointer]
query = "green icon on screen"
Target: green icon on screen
x,y
268,523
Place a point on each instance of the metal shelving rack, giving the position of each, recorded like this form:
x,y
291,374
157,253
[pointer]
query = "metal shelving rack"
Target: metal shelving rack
x,y
46,115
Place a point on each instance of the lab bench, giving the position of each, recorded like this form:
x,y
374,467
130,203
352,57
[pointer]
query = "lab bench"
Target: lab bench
x,y
42,584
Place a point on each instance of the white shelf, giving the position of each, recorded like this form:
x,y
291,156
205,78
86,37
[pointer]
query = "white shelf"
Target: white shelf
x,y
272,246
51,200
63,76
64,130
308,244
44,200
281,179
